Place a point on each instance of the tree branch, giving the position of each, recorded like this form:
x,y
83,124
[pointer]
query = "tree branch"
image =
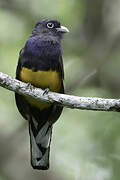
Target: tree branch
x,y
86,103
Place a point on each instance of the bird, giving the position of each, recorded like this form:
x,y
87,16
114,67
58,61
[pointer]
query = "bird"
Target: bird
x,y
40,64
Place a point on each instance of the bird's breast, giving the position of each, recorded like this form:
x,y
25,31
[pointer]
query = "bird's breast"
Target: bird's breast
x,y
41,79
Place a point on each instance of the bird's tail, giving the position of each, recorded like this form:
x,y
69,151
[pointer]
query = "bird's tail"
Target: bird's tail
x,y
40,138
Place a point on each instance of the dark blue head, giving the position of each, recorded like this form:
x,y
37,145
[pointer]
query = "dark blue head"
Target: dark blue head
x,y
49,29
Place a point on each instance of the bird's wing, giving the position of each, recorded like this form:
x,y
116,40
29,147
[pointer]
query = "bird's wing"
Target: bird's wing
x,y
61,67
20,101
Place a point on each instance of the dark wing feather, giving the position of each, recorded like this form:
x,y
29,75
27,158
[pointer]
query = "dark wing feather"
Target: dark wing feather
x,y
22,105
61,67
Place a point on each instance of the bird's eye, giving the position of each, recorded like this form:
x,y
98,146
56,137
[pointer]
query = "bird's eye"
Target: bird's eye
x,y
50,25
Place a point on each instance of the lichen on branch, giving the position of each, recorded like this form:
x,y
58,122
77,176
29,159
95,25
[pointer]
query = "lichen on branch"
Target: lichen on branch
x,y
69,101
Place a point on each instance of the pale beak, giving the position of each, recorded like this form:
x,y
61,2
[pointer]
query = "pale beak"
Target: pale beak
x,y
62,29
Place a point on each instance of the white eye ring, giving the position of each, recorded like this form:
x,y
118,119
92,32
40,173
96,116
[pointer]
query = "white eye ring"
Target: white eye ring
x,y
50,25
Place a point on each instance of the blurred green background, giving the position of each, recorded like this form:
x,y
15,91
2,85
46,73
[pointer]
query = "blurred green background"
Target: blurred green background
x,y
85,144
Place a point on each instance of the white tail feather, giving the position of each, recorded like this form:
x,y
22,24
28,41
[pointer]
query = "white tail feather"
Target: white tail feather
x,y
40,146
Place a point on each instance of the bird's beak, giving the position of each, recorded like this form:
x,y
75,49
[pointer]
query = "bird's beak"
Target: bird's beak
x,y
62,29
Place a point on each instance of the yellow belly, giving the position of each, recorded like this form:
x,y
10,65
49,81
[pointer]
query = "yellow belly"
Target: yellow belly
x,y
42,79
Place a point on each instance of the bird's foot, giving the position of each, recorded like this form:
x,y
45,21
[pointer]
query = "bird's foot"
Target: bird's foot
x,y
46,91
29,85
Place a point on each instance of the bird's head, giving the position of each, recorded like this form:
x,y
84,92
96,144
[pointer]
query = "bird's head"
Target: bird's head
x,y
49,29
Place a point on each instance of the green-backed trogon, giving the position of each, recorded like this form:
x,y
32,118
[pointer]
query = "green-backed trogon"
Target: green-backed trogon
x,y
40,64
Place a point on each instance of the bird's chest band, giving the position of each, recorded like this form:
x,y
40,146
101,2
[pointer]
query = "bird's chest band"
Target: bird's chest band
x,y
41,79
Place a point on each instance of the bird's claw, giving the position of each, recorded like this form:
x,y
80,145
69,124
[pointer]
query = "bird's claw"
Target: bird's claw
x,y
29,85
46,91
